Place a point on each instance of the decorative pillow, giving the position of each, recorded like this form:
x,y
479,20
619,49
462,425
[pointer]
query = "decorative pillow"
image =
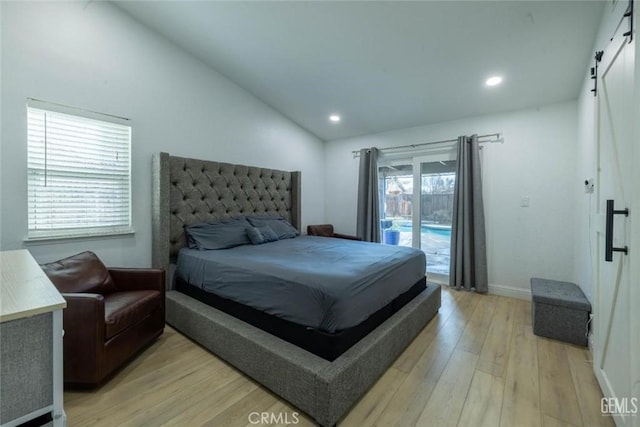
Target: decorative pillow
x,y
279,225
83,272
260,235
218,235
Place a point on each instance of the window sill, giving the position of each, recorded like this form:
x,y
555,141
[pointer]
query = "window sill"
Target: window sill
x,y
79,237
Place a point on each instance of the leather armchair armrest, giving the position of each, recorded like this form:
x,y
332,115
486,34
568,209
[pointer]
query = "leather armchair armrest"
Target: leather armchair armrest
x,y
346,236
138,279
84,334
83,309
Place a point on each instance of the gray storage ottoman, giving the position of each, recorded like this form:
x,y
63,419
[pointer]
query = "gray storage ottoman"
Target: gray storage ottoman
x,y
559,311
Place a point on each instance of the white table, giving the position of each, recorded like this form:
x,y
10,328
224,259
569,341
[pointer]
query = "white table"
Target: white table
x,y
31,381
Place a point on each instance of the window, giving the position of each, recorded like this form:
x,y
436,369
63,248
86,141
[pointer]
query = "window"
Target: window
x,y
79,172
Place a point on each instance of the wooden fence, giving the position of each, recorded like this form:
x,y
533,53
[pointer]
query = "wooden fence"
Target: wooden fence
x,y
435,207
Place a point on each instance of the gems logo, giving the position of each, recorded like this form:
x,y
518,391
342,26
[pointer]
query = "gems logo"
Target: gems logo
x,y
619,406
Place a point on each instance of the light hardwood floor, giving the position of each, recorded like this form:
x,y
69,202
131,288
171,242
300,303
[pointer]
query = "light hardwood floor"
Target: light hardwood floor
x,y
477,363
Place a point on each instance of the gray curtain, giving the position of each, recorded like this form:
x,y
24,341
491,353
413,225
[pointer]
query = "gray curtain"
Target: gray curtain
x,y
468,268
368,218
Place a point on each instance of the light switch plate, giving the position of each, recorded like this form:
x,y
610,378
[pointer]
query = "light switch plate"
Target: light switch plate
x,y
589,186
525,201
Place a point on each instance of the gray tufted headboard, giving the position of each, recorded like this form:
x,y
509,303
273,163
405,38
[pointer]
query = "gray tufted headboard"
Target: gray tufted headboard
x,y
189,191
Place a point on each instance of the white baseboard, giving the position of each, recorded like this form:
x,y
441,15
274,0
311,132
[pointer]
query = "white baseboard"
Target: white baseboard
x,y
508,291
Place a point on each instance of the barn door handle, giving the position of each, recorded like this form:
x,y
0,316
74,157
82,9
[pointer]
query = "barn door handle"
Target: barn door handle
x,y
608,237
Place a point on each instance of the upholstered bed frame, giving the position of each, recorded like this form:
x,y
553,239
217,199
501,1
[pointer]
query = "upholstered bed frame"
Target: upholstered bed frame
x,y
187,191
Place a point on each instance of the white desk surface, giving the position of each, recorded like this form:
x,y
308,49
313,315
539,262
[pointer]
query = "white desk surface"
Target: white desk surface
x,y
24,288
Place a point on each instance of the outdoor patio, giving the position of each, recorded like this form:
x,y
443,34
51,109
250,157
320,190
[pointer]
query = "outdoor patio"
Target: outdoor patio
x,y
435,246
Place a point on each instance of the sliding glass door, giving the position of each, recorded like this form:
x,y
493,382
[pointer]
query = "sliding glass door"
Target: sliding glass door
x,y
417,205
437,180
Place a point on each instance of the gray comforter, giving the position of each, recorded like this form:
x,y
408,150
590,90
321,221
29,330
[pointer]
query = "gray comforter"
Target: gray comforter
x,y
320,282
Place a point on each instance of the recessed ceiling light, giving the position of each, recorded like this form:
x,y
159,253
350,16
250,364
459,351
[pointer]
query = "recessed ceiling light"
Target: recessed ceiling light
x,y
492,81
334,118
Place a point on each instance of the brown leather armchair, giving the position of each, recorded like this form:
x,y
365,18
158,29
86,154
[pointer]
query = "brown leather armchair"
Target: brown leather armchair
x,y
326,230
111,314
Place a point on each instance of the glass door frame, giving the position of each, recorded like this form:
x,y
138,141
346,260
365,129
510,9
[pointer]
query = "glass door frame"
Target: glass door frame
x,y
392,162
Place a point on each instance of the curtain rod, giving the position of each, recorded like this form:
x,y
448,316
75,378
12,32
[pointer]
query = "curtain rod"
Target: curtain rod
x,y
498,138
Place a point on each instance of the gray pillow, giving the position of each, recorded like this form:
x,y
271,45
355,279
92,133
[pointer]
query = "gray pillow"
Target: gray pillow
x,y
260,235
279,225
218,235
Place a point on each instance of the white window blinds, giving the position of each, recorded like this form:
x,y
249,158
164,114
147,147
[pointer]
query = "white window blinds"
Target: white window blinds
x,y
79,175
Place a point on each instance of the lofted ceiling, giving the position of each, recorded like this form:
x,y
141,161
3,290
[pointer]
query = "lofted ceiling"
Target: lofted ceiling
x,y
386,65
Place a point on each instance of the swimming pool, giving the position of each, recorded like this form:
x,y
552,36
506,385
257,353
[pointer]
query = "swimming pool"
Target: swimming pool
x,y
441,230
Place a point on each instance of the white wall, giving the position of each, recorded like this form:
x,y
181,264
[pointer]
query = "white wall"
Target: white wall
x,y
92,55
537,160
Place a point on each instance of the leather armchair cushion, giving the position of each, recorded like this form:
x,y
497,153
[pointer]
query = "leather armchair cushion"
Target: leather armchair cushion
x,y
83,273
124,309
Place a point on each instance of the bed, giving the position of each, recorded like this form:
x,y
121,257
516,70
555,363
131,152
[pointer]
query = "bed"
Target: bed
x,y
321,294
325,386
